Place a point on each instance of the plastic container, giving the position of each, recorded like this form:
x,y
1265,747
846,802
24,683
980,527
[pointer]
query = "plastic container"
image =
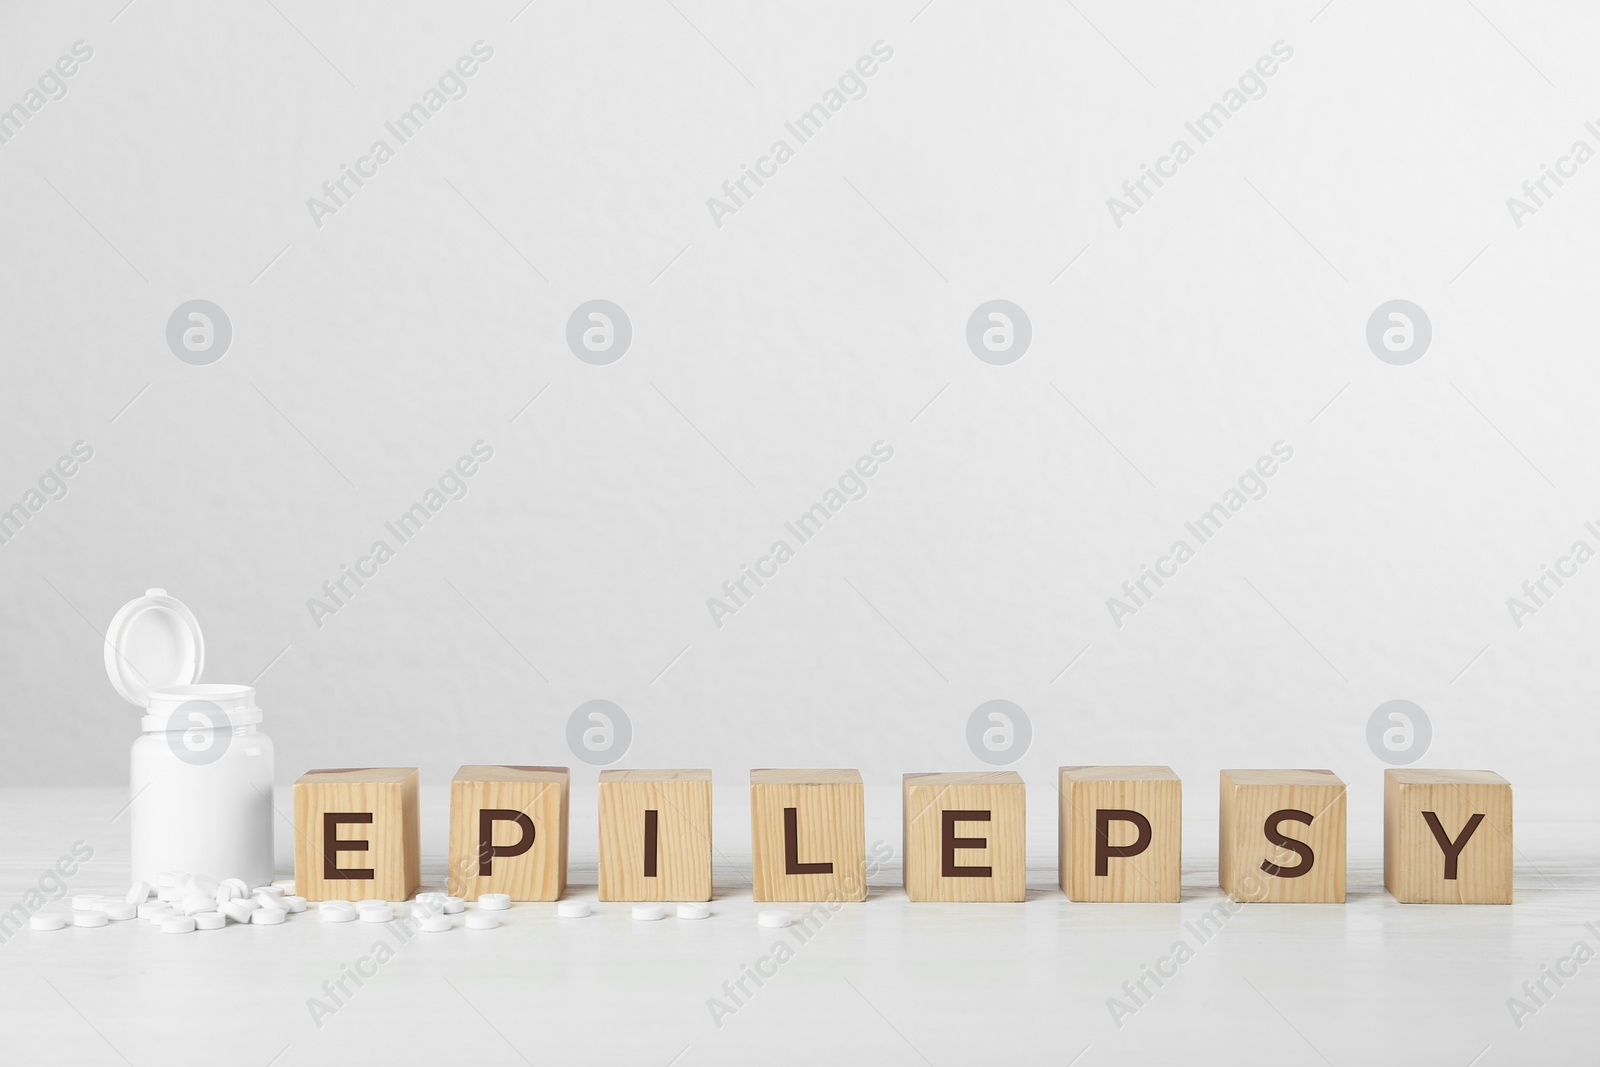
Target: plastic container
x,y
200,781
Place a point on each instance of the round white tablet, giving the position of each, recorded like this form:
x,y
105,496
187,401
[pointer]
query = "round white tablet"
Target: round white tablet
x,y
271,890
694,911
196,904
169,893
86,901
345,914
119,912
774,917
169,879
237,910
377,915
210,920
454,905
268,900
47,922
436,924
151,908
89,918
177,924
138,894
573,909
482,920
293,904
494,901
268,917
156,915
646,913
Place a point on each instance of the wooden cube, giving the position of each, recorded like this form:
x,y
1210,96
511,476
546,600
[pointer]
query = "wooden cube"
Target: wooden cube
x,y
655,835
1121,833
965,836
508,832
1283,836
1447,836
357,834
808,835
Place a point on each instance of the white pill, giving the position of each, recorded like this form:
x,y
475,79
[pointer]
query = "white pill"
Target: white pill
x,y
694,911
454,905
86,901
138,893
178,924
436,924
101,905
377,915
646,913
494,901
270,890
573,909
337,915
210,920
169,893
155,917
225,893
152,908
198,904
240,887
89,918
119,912
268,917
482,920
204,883
47,922
426,898
267,900
774,917
169,879
293,904
237,910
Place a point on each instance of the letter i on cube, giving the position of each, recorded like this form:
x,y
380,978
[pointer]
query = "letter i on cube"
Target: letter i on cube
x,y
655,835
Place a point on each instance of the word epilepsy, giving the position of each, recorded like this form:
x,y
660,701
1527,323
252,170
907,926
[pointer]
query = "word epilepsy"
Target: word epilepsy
x,y
1447,835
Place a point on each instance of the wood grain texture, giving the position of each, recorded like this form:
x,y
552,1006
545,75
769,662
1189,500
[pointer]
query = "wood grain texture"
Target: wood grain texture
x,y
1248,798
1155,873
681,800
926,797
393,836
830,829
1415,864
540,794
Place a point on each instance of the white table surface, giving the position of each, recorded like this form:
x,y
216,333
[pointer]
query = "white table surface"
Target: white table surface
x,y
1371,981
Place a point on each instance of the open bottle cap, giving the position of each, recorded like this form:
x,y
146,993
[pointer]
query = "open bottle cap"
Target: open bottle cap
x,y
153,643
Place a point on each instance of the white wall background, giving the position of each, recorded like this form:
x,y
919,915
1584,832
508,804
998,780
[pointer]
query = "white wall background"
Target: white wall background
x,y
769,353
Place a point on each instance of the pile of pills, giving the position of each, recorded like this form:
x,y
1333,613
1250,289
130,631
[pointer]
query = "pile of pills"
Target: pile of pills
x,y
182,904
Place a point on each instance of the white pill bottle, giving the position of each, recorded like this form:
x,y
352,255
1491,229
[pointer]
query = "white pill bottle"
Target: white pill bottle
x,y
200,786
